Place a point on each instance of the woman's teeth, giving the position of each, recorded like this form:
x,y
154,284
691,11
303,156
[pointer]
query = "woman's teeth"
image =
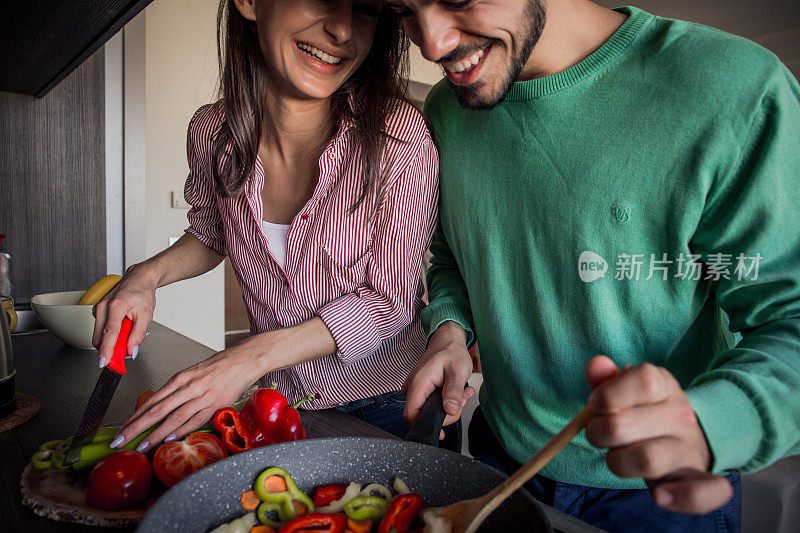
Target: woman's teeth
x,y
319,54
466,64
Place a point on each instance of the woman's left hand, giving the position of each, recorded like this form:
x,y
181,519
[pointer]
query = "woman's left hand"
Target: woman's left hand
x,y
192,396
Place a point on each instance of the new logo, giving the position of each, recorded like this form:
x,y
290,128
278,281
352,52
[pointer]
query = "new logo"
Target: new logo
x,y
591,267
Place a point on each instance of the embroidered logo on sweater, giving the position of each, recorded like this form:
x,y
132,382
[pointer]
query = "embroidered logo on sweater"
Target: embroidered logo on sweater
x,y
621,213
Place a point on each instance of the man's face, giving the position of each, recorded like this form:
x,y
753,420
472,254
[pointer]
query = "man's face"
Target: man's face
x,y
482,45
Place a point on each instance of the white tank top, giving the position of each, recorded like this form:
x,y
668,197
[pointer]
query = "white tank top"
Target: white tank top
x,y
277,235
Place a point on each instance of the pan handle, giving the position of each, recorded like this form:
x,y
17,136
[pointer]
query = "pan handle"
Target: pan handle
x,y
427,427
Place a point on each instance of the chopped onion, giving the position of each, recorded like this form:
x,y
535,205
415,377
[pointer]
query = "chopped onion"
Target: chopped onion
x,y
434,522
242,524
385,493
336,506
400,486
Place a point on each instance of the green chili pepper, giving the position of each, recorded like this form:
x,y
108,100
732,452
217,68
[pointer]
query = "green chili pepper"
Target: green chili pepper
x,y
105,434
94,452
42,459
50,446
58,459
366,508
276,512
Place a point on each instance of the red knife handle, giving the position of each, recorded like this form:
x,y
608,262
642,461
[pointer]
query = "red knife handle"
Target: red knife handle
x,y
117,363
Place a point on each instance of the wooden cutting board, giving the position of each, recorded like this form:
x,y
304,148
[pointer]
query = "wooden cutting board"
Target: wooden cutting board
x,y
61,495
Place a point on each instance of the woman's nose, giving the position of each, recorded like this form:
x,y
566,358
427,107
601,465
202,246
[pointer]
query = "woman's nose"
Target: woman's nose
x,y
339,22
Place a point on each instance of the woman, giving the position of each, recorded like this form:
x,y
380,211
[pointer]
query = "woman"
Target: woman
x,y
320,184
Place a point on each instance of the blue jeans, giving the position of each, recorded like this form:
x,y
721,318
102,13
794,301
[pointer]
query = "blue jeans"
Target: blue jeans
x,y
386,412
613,510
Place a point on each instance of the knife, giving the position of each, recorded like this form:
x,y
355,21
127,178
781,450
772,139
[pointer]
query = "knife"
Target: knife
x,y
101,396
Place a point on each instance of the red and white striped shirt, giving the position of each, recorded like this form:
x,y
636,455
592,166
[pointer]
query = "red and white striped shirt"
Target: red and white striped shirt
x,y
362,280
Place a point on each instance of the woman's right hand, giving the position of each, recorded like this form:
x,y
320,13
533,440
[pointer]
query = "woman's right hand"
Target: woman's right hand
x,y
133,297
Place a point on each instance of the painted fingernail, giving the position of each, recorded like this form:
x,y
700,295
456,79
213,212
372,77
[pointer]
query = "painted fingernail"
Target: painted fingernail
x,y
142,446
171,437
102,361
116,442
663,498
135,352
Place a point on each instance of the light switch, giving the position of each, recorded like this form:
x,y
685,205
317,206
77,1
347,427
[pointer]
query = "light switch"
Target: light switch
x,y
178,201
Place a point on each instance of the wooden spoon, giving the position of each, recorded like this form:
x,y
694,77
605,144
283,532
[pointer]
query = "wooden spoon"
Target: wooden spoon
x,y
466,516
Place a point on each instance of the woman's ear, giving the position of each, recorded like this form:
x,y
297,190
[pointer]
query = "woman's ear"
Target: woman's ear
x,y
247,8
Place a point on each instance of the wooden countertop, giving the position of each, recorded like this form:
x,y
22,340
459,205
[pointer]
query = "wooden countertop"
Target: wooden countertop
x,y
62,379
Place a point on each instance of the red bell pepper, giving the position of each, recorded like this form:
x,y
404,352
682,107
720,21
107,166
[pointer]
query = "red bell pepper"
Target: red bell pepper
x,y
234,435
268,418
402,511
323,496
316,523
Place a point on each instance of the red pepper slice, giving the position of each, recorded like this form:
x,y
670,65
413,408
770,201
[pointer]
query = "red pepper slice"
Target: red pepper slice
x,y
323,496
229,425
402,511
316,523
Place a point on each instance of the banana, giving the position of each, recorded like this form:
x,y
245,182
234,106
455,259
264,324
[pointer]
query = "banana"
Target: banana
x,y
96,292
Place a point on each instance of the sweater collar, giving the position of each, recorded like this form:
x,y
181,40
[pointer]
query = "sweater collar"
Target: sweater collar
x,y
618,42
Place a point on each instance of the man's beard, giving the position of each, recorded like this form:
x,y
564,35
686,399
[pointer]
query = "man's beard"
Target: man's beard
x,y
469,96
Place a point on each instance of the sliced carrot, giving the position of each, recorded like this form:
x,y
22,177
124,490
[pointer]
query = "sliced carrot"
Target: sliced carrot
x,y
275,484
249,500
262,529
299,508
359,526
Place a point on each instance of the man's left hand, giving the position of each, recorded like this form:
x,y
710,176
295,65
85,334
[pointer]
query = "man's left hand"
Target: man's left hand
x,y
644,418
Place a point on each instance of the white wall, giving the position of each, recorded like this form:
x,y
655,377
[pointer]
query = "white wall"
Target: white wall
x,y
423,70
181,75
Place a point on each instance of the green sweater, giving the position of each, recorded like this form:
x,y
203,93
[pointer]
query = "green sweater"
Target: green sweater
x,y
672,138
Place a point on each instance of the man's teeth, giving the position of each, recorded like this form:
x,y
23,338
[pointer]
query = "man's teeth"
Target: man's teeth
x,y
466,64
319,54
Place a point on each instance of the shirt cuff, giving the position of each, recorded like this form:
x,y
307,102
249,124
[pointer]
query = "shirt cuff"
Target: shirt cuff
x,y
438,312
352,327
731,423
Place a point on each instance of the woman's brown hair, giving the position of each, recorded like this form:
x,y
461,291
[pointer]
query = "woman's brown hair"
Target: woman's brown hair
x,y
366,99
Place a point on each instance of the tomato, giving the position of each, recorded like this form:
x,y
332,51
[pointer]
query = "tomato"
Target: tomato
x,y
120,480
176,460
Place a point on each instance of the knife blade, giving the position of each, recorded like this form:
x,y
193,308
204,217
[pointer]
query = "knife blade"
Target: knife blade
x,y
100,399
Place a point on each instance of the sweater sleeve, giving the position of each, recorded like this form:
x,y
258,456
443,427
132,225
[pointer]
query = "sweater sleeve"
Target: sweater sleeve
x,y
447,292
747,401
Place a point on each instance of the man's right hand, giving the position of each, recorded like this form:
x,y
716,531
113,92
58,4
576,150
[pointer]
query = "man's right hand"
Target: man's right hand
x,y
446,364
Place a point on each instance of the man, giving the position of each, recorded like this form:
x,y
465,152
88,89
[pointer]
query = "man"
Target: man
x,y
612,181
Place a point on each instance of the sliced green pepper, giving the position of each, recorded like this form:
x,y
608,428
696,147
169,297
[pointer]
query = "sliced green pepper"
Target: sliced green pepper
x,y
291,487
42,459
366,508
276,511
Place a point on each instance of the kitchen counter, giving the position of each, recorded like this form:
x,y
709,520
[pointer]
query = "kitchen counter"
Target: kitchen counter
x,y
62,379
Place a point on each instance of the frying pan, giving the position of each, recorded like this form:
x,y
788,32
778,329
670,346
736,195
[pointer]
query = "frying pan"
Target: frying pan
x,y
210,497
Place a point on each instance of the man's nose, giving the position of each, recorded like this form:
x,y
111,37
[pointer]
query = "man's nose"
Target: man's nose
x,y
434,33
339,22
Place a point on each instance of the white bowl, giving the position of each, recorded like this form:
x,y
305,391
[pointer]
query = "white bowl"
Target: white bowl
x,y
61,314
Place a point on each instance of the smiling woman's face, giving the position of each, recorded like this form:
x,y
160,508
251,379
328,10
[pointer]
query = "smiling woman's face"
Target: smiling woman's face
x,y
312,47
